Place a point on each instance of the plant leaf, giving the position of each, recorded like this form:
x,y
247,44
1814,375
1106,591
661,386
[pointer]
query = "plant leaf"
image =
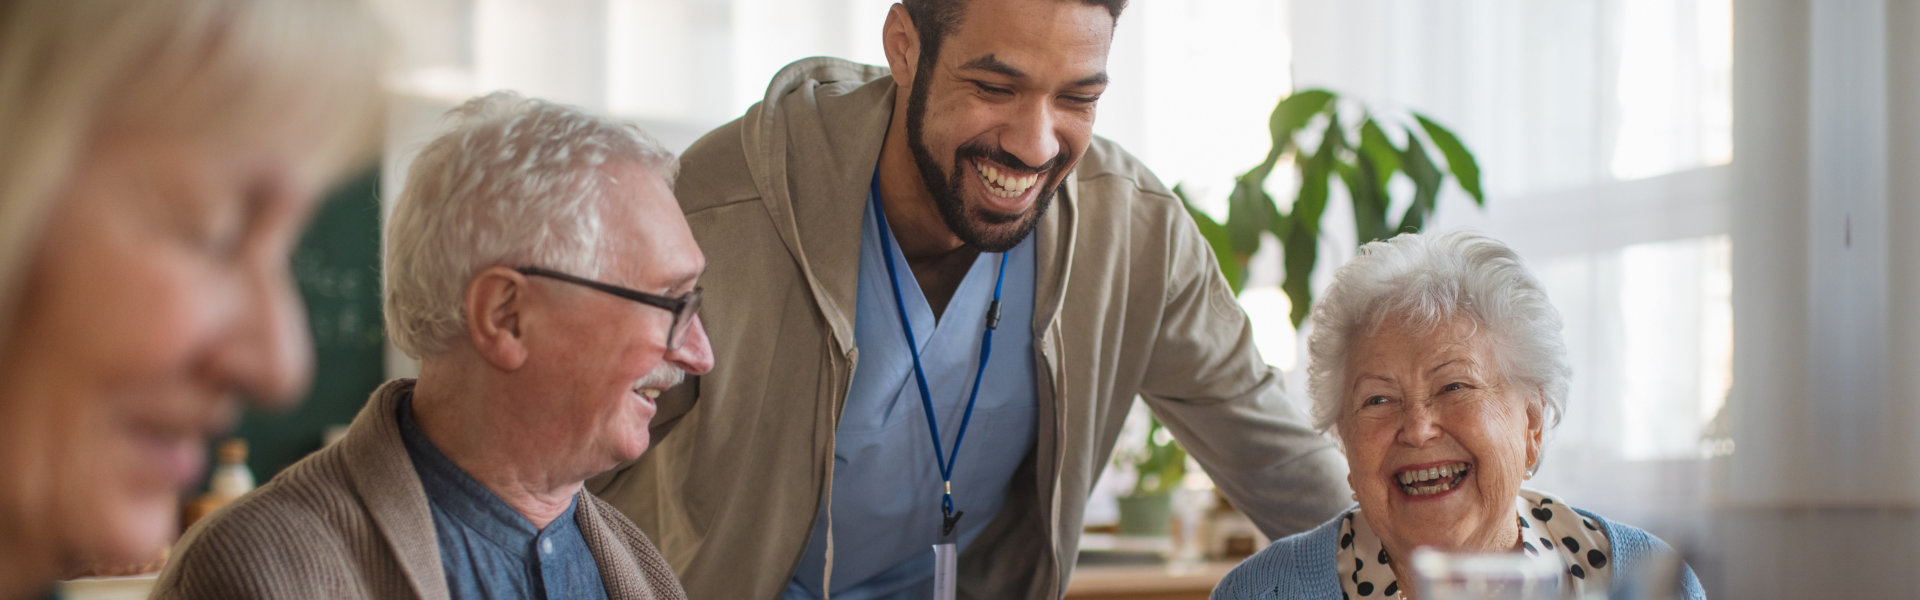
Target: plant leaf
x,y
1377,148
1300,247
1279,224
1369,208
1292,113
1248,210
1216,236
1412,221
1301,243
1459,160
1311,202
1426,184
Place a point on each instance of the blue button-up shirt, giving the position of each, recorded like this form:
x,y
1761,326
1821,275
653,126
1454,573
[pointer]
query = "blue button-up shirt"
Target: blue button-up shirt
x,y
886,483
487,549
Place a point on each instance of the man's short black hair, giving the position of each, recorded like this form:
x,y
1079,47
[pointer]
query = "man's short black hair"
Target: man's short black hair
x,y
936,18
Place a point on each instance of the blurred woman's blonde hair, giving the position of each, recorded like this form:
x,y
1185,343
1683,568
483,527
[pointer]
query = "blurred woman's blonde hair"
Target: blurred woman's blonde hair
x,y
72,71
76,72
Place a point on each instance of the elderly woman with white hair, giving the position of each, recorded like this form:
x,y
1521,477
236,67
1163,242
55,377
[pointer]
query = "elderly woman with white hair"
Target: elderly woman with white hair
x,y
1437,362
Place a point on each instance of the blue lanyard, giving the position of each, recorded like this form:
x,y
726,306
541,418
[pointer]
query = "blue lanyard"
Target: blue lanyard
x,y
920,375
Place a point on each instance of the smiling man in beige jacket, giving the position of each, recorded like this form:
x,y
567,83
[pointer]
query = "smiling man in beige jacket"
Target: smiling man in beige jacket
x,y
958,200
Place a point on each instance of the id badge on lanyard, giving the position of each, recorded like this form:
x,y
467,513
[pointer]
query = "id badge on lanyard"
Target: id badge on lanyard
x,y
946,552
946,561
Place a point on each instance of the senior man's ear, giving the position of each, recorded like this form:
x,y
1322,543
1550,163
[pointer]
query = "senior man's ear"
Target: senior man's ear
x,y
494,300
901,41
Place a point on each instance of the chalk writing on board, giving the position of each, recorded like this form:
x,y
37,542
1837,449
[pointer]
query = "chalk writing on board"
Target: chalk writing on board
x,y
333,293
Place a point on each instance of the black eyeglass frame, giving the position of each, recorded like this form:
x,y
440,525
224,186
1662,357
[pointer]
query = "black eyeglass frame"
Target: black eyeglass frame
x,y
684,308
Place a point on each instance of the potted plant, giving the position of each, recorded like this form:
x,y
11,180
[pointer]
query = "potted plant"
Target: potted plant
x,y
1160,464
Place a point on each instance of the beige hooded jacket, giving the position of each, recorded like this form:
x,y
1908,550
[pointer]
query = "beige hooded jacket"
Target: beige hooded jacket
x,y
1128,302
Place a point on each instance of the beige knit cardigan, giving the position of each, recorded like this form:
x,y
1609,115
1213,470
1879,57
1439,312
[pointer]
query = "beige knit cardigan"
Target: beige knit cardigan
x,y
351,521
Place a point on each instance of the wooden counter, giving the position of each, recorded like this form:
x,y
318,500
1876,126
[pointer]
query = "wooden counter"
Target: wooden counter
x,y
1161,581
1114,567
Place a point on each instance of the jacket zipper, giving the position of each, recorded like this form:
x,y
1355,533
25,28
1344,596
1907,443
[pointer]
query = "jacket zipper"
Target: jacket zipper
x,y
839,391
1053,486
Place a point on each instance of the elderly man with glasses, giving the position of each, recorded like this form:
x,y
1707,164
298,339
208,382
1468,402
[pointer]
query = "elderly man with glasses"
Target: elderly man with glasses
x,y
539,267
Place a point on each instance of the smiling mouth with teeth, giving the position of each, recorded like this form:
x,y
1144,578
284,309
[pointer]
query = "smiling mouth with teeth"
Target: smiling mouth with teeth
x,y
1004,184
651,394
1432,480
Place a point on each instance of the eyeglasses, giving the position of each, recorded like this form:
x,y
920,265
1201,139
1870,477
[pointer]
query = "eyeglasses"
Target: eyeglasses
x,y
683,308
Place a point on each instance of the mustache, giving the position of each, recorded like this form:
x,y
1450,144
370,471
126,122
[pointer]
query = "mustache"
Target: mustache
x,y
980,150
663,377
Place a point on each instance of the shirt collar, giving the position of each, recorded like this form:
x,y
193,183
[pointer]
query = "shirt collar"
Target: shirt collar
x,y
458,495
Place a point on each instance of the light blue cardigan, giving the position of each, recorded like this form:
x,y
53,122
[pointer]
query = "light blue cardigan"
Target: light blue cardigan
x,y
1302,566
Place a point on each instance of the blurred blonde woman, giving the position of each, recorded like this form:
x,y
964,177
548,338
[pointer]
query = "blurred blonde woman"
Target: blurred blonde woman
x,y
158,161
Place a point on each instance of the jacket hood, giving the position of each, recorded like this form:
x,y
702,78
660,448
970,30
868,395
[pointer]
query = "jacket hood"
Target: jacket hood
x,y
801,102
814,139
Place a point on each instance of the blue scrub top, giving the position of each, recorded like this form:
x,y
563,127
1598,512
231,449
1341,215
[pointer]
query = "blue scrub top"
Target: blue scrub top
x,y
886,483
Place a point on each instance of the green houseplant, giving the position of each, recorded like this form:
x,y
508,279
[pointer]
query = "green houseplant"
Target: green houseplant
x,y
1324,137
1161,464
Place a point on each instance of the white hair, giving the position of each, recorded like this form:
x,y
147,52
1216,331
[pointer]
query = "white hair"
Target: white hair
x,y
1427,280
513,182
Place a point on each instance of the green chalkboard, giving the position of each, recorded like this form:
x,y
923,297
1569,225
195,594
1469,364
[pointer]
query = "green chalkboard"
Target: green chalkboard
x,y
337,266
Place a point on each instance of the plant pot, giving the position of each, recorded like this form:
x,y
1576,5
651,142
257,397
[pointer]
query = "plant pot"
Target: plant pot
x,y
1146,515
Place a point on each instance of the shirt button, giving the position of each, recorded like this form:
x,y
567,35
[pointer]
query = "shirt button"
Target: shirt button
x,y
546,546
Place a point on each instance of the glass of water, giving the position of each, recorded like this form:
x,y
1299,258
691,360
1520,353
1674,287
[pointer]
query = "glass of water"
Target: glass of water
x,y
1443,575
